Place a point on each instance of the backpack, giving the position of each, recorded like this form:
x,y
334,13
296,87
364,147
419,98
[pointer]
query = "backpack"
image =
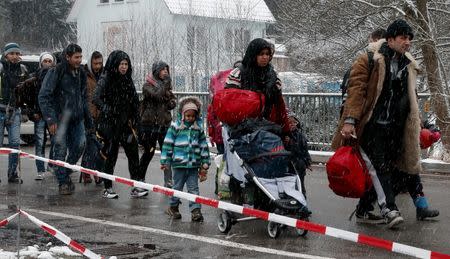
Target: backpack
x,y
345,79
232,105
347,173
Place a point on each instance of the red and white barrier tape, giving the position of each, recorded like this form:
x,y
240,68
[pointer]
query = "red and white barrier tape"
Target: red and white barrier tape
x,y
296,223
61,236
7,220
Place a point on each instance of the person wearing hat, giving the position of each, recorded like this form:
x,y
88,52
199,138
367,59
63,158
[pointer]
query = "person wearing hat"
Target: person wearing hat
x,y
185,150
381,115
12,73
29,92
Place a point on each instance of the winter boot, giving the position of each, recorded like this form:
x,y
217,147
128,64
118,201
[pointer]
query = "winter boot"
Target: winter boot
x,y
86,178
173,212
422,210
196,215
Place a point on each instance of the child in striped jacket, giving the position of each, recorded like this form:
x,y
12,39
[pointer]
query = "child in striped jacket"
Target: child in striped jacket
x,y
185,150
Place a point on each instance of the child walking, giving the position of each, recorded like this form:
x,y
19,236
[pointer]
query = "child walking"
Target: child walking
x,y
186,151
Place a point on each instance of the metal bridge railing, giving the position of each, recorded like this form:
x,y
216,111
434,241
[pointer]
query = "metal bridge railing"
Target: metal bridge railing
x,y
318,113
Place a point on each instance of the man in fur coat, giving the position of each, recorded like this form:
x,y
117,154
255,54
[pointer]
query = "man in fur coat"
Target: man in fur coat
x,y
381,112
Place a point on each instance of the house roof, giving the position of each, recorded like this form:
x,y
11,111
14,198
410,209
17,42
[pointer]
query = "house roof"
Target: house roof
x,y
72,17
251,10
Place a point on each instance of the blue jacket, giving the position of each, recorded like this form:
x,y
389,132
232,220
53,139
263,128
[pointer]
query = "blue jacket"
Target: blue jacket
x,y
64,95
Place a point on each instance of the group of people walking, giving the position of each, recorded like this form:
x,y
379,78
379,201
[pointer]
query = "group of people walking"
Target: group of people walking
x,y
90,111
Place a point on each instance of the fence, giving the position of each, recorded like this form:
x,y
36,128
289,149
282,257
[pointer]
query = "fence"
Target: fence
x,y
318,113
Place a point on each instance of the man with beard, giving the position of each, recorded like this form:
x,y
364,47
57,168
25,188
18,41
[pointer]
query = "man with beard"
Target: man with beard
x,y
91,156
11,74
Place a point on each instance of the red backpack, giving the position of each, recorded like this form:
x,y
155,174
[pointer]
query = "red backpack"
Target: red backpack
x,y
233,105
347,173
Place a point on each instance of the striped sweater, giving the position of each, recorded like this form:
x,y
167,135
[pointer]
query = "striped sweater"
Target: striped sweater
x,y
185,145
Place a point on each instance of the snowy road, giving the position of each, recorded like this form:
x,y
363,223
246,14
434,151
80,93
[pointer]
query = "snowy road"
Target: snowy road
x,y
139,227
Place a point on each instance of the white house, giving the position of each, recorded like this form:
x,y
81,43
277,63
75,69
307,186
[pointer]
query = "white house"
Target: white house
x,y
195,37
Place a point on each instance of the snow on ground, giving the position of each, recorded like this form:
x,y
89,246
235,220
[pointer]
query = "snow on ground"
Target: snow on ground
x,y
55,252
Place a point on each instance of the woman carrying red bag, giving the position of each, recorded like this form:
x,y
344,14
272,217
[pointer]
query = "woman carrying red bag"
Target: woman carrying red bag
x,y
257,74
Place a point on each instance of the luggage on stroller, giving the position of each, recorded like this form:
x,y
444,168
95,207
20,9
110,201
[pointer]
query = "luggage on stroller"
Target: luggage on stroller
x,y
266,180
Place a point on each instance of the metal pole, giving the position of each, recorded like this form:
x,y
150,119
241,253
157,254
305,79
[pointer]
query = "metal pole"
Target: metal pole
x,y
19,175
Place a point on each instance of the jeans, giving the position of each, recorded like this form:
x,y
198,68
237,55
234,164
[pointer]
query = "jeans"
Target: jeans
x,y
69,137
12,123
188,176
40,135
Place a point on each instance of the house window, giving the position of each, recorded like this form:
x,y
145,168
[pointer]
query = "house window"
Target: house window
x,y
180,82
228,39
191,38
104,1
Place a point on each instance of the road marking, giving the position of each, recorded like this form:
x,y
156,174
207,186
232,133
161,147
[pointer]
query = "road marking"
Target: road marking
x,y
209,240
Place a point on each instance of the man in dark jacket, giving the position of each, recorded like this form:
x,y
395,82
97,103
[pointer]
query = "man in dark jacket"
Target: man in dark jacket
x,y
63,103
91,156
29,92
155,116
12,73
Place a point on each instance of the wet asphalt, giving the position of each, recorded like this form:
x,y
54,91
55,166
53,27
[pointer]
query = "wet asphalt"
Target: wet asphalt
x,y
139,228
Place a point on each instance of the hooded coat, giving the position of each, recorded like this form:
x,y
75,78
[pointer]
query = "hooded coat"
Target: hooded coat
x,y
363,93
158,99
91,86
116,98
250,76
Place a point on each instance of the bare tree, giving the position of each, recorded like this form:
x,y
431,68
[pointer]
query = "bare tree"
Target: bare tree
x,y
325,36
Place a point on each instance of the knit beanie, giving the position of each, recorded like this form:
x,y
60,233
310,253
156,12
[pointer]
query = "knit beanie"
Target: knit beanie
x,y
11,47
44,56
189,106
399,27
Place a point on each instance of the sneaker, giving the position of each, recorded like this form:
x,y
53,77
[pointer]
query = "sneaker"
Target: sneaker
x,y
65,189
15,179
138,192
196,215
173,212
39,176
423,213
369,218
393,218
110,194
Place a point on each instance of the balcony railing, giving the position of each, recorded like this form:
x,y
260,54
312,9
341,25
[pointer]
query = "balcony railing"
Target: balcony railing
x,y
318,113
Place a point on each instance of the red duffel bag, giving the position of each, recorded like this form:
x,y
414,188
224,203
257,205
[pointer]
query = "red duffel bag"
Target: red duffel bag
x,y
233,105
347,173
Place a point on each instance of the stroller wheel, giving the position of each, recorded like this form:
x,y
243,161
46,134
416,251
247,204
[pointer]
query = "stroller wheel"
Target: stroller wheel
x,y
224,222
273,229
300,231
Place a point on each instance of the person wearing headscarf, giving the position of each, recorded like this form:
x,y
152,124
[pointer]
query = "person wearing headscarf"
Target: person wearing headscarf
x,y
117,101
